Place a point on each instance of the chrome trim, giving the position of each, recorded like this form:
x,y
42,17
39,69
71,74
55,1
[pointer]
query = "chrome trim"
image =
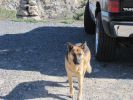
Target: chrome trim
x,y
124,30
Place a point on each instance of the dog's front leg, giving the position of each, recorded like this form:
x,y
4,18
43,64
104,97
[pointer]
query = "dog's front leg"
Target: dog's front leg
x,y
80,81
71,85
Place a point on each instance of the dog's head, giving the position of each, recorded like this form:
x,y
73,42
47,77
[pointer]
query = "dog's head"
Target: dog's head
x,y
76,52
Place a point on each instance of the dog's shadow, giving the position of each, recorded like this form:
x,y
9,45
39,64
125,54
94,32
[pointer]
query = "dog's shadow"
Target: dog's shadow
x,y
35,89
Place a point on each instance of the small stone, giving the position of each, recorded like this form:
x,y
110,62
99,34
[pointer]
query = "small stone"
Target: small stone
x,y
33,13
24,6
1,81
23,17
24,2
32,2
36,18
29,88
96,70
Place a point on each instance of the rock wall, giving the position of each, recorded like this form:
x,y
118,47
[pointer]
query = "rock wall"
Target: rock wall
x,y
44,9
28,9
57,8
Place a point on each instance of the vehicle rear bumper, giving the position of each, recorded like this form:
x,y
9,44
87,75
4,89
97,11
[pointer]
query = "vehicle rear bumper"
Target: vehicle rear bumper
x,y
123,29
116,27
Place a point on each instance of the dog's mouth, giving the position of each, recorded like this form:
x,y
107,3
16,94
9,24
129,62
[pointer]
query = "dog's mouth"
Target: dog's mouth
x,y
76,61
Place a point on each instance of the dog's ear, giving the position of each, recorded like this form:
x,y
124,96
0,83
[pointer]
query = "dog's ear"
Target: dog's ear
x,y
69,46
84,45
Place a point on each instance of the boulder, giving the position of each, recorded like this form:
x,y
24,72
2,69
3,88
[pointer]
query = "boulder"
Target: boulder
x,y
32,2
22,12
33,11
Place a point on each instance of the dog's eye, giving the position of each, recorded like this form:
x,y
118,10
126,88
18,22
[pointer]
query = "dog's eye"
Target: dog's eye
x,y
73,54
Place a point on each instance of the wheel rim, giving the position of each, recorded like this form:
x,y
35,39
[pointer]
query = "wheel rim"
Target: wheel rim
x,y
96,39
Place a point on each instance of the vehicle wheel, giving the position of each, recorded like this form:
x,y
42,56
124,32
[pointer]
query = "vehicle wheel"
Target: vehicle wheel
x,y
89,24
105,46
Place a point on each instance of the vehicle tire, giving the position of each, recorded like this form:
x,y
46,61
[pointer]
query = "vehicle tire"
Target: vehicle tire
x,y
89,24
105,46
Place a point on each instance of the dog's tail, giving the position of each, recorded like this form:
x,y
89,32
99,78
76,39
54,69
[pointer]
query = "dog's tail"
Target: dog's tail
x,y
89,68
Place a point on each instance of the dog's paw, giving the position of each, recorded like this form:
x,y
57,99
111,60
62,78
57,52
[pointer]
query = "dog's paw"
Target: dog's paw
x,y
79,98
71,94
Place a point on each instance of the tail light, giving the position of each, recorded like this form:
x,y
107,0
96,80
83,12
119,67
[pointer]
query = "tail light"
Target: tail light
x,y
113,6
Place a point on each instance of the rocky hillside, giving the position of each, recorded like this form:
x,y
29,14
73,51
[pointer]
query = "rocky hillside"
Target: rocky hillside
x,y
51,9
9,4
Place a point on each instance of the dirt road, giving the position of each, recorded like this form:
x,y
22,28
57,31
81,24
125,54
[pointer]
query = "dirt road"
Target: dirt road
x,y
32,64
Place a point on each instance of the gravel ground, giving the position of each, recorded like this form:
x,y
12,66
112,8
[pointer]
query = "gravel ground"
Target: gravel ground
x,y
32,64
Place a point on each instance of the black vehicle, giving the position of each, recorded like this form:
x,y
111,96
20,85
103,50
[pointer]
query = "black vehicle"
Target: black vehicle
x,y
110,20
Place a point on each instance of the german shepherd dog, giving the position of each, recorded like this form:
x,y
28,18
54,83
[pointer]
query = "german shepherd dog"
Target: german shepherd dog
x,y
77,63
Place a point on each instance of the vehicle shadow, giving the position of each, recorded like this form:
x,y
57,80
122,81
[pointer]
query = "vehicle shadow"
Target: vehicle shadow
x,y
43,49
120,68
34,89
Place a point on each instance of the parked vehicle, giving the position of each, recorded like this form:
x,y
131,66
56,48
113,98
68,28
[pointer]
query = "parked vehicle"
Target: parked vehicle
x,y
110,20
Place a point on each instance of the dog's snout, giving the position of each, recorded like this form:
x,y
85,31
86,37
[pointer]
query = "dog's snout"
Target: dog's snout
x,y
77,60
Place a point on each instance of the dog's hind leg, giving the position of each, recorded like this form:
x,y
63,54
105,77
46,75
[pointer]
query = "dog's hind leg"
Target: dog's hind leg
x,y
71,85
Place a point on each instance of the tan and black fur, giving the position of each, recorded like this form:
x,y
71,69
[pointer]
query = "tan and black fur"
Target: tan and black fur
x,y
77,63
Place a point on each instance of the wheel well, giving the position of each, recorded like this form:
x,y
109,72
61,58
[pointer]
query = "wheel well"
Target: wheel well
x,y
98,8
